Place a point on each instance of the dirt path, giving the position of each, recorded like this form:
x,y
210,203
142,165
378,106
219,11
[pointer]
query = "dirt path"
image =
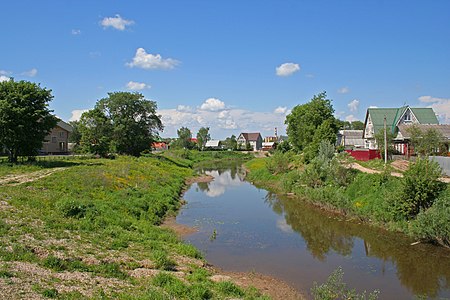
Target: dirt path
x,y
16,179
395,174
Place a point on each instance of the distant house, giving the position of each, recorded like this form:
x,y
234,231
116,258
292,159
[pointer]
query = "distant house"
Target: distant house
x,y
403,138
159,146
254,139
213,144
350,138
57,141
395,117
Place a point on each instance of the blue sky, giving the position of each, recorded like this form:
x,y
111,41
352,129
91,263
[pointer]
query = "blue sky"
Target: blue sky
x,y
214,63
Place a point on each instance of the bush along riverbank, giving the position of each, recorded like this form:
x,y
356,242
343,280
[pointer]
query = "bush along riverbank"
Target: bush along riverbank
x,y
89,228
417,204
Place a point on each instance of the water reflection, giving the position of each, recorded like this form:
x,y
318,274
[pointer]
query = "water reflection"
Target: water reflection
x,y
255,227
423,269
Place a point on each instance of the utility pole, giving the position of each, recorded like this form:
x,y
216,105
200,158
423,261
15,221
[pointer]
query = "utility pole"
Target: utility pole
x,y
385,142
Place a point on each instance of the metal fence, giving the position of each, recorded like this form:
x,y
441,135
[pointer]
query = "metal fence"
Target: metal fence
x,y
444,162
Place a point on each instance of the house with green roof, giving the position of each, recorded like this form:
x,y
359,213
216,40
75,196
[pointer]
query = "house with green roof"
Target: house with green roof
x,y
404,115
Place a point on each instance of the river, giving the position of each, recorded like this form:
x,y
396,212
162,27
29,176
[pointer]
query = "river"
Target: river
x,y
244,228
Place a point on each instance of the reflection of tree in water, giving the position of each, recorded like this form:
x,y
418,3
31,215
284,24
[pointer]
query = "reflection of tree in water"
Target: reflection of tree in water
x,y
320,233
423,269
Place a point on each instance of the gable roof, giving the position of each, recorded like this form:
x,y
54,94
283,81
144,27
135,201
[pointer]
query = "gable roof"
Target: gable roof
x,y
212,143
64,125
253,136
393,115
444,129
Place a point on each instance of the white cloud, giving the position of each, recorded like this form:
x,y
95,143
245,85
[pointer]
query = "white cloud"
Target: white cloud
x,y
184,108
441,107
76,114
287,69
147,61
4,78
76,31
353,105
343,90
223,122
137,86
351,118
373,106
31,73
212,104
3,72
280,110
116,22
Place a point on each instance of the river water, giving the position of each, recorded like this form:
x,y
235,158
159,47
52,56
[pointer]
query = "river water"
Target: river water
x,y
244,228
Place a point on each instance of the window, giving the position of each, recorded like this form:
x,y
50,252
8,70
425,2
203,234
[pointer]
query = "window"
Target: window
x,y
62,134
407,117
53,139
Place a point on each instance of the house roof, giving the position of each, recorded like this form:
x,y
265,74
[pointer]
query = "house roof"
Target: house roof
x,y
64,125
253,136
393,115
212,143
351,137
404,132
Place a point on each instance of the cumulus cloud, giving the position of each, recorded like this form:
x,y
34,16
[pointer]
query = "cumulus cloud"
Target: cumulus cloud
x,y
287,69
4,78
353,105
148,61
76,31
137,86
441,107
212,104
343,90
76,114
351,118
223,121
280,110
31,73
116,22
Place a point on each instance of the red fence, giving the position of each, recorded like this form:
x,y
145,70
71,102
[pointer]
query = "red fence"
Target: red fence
x,y
364,154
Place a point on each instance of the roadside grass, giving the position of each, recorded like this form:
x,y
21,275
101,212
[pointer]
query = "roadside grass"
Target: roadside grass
x,y
100,217
375,164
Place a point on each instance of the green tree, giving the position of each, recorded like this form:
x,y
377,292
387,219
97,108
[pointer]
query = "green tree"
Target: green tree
x,y
231,143
96,132
202,137
25,118
357,125
75,135
427,142
310,123
135,124
184,139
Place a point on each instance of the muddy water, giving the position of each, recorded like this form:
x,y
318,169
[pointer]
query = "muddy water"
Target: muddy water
x,y
243,228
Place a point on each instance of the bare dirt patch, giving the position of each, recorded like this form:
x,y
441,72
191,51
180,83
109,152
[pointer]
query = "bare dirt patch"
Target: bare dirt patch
x,y
14,180
201,178
179,229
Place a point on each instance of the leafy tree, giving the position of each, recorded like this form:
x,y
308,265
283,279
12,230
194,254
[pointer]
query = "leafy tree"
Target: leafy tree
x,y
202,137
379,138
75,135
25,118
96,132
184,138
357,125
231,143
426,143
135,124
310,123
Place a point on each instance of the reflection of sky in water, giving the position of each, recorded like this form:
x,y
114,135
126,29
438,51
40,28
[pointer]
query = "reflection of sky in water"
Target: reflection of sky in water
x,y
220,183
258,231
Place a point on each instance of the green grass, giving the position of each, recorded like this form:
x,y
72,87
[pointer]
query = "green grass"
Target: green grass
x,y
101,217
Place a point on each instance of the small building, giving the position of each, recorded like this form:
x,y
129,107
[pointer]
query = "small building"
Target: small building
x,y
254,139
403,138
160,146
267,146
374,121
350,139
57,141
213,145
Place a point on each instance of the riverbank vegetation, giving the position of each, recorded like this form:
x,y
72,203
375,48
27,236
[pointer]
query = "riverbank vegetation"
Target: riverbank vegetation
x,y
417,204
90,229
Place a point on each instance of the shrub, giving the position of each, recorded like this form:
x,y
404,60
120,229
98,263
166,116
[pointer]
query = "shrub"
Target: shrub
x,y
420,187
335,288
279,162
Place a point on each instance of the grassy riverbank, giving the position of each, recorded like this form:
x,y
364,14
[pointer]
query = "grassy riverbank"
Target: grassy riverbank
x,y
377,199
89,228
